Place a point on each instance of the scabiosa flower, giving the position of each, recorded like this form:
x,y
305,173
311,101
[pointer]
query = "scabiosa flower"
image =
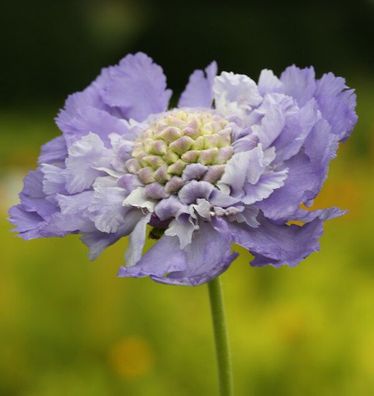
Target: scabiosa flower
x,y
235,162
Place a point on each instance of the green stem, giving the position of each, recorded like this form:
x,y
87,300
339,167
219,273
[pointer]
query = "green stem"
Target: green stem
x,y
220,335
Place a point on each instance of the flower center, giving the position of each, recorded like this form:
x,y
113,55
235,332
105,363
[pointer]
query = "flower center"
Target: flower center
x,y
177,139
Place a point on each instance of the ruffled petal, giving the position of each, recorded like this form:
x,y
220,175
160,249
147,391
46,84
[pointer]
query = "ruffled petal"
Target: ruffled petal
x,y
235,94
337,104
320,147
106,207
27,224
208,255
133,89
137,86
277,244
274,110
54,152
73,215
53,179
269,83
31,217
138,199
183,228
302,179
298,125
194,190
136,241
97,241
299,83
33,184
199,90
84,112
245,167
222,198
85,156
169,208
265,186
306,173
306,216
155,262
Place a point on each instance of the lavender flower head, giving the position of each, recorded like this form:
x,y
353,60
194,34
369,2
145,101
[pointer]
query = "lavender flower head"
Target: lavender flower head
x,y
235,162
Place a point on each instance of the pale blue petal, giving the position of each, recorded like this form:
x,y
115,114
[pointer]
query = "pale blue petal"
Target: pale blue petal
x,y
136,241
299,83
85,155
137,86
206,257
269,83
199,90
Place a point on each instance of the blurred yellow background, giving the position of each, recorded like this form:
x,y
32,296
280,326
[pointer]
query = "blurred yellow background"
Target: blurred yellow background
x,y
71,327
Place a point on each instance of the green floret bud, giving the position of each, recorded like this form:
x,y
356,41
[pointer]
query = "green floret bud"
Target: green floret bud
x,y
154,161
181,145
158,147
177,168
199,143
161,175
177,139
170,134
191,156
145,175
170,157
208,156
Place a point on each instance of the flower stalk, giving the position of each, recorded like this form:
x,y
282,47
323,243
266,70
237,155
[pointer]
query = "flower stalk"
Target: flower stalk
x,y
221,338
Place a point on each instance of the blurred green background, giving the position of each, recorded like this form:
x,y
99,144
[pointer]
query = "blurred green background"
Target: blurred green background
x,y
70,327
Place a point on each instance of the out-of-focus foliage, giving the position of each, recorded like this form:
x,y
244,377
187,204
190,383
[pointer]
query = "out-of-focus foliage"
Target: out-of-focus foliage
x,y
70,327
52,48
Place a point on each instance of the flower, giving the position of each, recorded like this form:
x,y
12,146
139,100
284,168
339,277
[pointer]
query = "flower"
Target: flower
x,y
235,162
